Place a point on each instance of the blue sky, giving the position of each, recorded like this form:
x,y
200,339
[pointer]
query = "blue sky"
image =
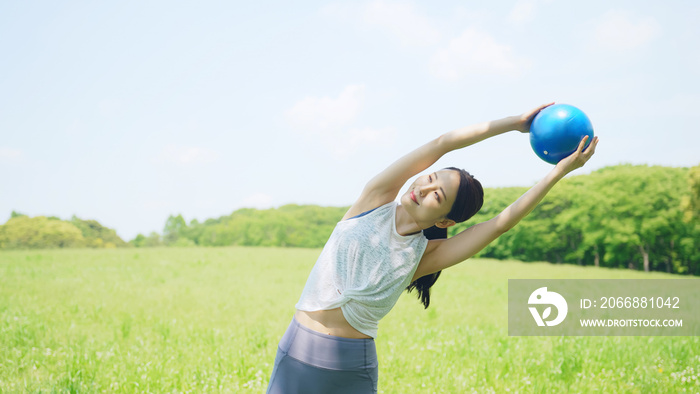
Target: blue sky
x,y
127,112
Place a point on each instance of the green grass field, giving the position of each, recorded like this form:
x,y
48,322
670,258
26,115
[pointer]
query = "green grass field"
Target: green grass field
x,y
208,320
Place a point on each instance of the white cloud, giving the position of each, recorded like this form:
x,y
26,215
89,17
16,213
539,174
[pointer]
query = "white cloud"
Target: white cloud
x,y
345,145
11,155
403,21
257,200
186,155
617,30
399,19
316,115
332,121
523,11
475,52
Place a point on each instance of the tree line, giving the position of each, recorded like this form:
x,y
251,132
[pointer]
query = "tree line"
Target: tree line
x,y
41,232
639,217
626,216
306,226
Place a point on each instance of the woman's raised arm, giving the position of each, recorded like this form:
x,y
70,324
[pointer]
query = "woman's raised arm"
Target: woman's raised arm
x,y
445,253
385,186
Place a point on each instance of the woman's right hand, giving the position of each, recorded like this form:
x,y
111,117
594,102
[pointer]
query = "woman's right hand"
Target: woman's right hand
x,y
525,120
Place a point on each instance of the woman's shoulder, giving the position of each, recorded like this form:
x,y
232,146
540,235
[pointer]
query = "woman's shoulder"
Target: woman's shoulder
x,y
367,203
376,210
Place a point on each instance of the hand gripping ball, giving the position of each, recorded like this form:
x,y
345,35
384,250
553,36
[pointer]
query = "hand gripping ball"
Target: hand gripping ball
x,y
557,130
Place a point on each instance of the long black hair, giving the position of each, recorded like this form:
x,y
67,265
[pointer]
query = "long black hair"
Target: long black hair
x,y
470,198
424,283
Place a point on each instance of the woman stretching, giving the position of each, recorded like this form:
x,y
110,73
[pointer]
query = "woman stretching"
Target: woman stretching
x,y
382,247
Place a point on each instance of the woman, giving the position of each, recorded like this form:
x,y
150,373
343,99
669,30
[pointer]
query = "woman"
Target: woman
x,y
379,248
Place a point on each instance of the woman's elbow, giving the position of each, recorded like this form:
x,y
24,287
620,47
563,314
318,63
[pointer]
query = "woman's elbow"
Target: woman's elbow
x,y
502,225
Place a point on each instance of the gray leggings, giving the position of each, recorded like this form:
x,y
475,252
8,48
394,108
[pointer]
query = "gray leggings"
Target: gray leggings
x,y
310,362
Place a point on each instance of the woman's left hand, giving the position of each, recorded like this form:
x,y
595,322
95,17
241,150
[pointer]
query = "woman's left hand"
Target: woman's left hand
x,y
525,120
579,157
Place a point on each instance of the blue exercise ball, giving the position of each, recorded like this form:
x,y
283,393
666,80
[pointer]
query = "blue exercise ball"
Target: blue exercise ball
x,y
557,130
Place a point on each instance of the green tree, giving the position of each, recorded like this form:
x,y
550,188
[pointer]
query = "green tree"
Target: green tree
x,y
150,241
23,232
691,203
97,235
153,240
16,214
138,241
174,228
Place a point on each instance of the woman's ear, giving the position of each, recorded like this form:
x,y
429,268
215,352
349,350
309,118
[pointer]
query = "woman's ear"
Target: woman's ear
x,y
445,223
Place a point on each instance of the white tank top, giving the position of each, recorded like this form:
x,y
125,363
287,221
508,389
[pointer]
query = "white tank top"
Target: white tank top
x,y
363,269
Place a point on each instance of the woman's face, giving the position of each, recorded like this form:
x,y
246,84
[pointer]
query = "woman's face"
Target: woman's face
x,y
429,199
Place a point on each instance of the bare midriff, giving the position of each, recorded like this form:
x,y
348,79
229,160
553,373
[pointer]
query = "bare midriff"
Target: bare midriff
x,y
330,322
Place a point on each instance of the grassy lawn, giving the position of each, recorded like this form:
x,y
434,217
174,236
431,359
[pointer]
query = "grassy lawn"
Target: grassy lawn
x,y
209,319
